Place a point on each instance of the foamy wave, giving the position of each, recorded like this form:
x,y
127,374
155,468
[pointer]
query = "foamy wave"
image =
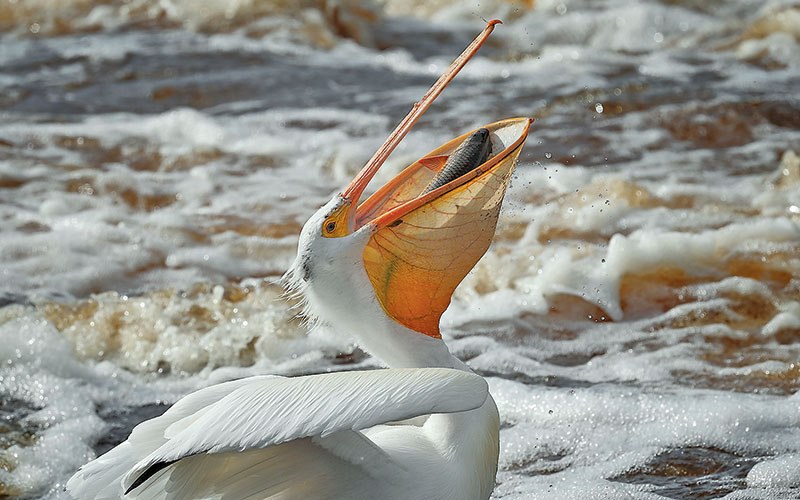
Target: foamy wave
x,y
781,472
316,21
184,332
592,254
771,39
610,441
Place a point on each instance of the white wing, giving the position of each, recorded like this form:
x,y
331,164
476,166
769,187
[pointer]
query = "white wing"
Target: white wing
x,y
101,478
270,437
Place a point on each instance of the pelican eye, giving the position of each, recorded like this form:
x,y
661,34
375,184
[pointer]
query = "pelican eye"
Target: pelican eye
x,y
335,222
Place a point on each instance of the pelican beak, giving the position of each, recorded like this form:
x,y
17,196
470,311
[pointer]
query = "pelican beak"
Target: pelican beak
x,y
355,189
427,229
424,243
406,191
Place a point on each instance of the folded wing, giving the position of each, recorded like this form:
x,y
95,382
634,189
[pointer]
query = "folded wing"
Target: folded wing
x,y
270,437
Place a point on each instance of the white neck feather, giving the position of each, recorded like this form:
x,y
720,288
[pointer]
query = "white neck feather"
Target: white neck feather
x,y
343,295
330,274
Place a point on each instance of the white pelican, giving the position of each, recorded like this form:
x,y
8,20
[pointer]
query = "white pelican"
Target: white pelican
x,y
384,271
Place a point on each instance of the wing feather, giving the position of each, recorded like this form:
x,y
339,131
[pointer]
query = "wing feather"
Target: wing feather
x,y
271,411
300,469
101,479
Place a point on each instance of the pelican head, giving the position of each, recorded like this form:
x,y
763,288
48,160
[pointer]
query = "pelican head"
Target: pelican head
x,y
396,257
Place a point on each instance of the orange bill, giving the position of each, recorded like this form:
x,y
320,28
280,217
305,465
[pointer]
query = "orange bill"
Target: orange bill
x,y
424,246
423,243
355,189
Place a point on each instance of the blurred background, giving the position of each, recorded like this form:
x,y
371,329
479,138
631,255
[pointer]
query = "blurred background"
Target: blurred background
x,y
637,317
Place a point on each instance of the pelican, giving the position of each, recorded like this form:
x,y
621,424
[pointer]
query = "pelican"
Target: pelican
x,y
382,270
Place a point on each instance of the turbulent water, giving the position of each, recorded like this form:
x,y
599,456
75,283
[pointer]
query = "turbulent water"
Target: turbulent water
x,y
637,317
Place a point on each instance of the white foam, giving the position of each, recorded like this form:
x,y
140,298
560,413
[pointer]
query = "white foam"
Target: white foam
x,y
783,320
780,472
588,435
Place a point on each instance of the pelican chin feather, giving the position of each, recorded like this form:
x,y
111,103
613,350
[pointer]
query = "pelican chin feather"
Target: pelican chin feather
x,y
382,270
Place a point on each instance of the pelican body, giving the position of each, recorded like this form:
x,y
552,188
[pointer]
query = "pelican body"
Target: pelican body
x,y
383,271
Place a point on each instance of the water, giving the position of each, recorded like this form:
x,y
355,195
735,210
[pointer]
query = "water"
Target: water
x,y
637,317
